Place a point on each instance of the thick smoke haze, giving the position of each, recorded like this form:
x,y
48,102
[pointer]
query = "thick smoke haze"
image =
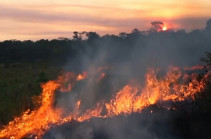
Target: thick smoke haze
x,y
125,59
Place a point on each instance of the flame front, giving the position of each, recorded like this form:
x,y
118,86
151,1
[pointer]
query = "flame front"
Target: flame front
x,y
38,121
35,121
131,99
174,86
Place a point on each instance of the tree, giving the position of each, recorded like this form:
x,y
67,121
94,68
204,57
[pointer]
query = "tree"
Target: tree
x,y
92,35
207,59
156,26
75,36
123,35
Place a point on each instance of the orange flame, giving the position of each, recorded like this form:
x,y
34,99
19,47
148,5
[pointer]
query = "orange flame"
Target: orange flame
x,y
82,76
174,86
35,121
130,99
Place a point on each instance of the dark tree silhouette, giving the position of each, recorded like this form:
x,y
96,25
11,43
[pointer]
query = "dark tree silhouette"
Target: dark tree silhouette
x,y
207,59
76,35
123,35
157,26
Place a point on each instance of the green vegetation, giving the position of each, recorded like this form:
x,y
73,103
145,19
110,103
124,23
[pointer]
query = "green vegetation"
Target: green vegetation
x,y
19,83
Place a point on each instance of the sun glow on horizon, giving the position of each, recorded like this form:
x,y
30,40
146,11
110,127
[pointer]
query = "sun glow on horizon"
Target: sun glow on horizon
x,y
164,28
21,19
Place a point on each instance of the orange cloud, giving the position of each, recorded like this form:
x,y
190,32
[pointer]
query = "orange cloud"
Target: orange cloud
x,y
58,18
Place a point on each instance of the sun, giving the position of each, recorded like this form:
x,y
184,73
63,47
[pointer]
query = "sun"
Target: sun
x,y
164,28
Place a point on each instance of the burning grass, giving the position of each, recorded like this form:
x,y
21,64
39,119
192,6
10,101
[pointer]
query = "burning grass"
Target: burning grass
x,y
132,98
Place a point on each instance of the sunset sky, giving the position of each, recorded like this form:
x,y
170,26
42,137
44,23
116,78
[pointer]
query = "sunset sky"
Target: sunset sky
x,y
48,19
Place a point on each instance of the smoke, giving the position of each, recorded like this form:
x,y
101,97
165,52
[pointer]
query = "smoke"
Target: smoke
x,y
147,125
125,60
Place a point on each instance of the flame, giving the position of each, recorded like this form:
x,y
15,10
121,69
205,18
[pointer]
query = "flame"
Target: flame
x,y
82,76
96,112
35,121
38,121
123,101
130,99
174,86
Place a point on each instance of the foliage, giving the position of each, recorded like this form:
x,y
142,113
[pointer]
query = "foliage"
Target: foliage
x,y
19,84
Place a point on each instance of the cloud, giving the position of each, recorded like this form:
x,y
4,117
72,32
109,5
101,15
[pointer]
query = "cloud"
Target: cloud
x,y
68,18
28,15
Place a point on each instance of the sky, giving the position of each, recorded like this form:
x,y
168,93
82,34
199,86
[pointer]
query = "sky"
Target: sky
x,y
51,19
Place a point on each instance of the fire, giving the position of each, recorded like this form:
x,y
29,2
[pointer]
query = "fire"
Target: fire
x,y
82,76
38,121
123,101
174,86
35,121
130,99
96,112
